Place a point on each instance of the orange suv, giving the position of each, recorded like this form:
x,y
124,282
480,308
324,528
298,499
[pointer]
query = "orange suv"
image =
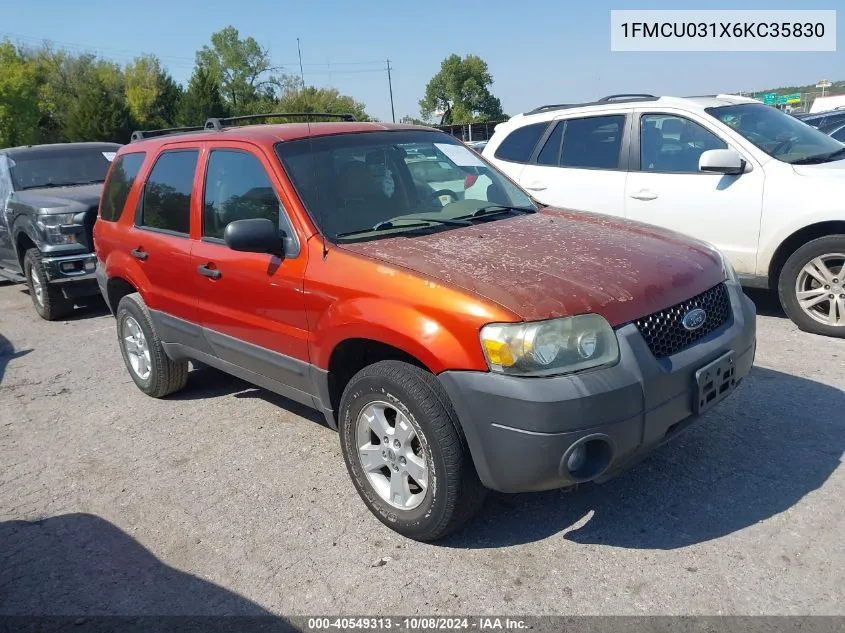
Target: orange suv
x,y
460,336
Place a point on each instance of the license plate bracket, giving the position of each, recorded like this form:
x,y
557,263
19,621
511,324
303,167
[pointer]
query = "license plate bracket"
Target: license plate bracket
x,y
714,382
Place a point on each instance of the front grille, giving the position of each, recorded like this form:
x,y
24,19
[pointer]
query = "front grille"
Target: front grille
x,y
665,334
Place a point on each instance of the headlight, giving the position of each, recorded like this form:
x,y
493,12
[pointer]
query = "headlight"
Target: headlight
x,y
546,348
52,227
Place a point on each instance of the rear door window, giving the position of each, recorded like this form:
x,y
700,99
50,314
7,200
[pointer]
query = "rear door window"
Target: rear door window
x,y
593,142
519,144
167,194
118,184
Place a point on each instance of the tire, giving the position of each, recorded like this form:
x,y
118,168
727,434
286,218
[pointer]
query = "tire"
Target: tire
x,y
831,250
47,299
453,492
160,376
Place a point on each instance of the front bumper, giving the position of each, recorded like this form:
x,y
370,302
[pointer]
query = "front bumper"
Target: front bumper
x,y
521,431
70,268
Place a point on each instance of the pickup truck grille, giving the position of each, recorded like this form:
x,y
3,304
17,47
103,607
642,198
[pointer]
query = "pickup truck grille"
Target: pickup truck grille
x,y
664,332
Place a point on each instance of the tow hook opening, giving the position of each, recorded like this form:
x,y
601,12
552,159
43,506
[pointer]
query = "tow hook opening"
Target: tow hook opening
x,y
587,458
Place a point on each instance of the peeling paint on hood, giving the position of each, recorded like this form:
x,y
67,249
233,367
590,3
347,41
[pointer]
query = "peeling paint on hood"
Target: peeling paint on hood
x,y
558,263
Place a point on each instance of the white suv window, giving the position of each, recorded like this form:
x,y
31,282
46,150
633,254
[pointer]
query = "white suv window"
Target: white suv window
x,y
670,143
519,144
588,143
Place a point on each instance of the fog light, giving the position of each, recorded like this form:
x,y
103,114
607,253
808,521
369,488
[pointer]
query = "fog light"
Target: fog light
x,y
587,344
577,458
90,265
68,267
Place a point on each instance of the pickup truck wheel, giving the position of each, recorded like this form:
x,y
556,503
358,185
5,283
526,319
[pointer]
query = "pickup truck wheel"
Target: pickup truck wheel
x,y
151,369
48,300
405,452
812,286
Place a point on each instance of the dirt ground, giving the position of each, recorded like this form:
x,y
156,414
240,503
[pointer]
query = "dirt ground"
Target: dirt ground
x,y
228,499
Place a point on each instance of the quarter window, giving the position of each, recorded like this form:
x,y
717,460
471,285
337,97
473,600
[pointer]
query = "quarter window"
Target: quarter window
x,y
236,188
167,194
593,143
519,144
673,143
119,182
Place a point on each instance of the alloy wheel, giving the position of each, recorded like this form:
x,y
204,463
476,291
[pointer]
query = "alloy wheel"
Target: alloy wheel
x,y
820,289
391,454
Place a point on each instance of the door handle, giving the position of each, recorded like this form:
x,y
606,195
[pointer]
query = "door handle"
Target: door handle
x,y
137,253
536,186
211,273
644,194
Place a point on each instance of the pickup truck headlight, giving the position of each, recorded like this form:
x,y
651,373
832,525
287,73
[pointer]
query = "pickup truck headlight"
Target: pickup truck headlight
x,y
547,348
52,227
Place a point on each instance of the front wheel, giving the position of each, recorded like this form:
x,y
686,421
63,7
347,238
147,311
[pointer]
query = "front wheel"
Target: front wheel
x,y
47,299
405,452
811,286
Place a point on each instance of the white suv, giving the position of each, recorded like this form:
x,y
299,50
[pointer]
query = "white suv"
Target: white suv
x,y
763,187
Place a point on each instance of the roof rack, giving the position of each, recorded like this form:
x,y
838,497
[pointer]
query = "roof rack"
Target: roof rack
x,y
220,123
139,135
627,97
607,99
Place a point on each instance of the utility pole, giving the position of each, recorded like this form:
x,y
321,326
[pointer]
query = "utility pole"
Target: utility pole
x,y
301,74
390,84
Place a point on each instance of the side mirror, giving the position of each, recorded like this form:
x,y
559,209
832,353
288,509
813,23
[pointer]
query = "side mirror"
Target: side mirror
x,y
256,235
721,161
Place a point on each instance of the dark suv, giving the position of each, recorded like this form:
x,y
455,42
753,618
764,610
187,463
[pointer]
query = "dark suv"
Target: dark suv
x,y
48,205
459,336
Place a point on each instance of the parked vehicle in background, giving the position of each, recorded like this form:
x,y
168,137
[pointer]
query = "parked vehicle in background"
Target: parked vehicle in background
x,y
836,131
477,146
760,185
824,119
312,260
49,196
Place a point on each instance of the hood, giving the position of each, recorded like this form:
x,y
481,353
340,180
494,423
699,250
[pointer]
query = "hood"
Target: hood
x,y
834,169
558,263
61,199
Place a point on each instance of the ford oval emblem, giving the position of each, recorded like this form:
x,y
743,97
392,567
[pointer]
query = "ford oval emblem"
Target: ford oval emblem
x,y
694,319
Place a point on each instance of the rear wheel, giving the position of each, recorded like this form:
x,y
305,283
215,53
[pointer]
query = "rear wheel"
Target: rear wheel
x,y
150,367
47,299
405,452
811,286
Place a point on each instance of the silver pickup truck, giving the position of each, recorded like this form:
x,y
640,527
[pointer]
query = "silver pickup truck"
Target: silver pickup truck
x,y
49,196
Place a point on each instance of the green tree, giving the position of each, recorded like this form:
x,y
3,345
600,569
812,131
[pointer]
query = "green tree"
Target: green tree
x,y
242,69
19,99
461,91
151,94
201,100
313,99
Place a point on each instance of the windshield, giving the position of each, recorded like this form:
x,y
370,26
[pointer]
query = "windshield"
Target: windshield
x,y
59,167
779,135
378,184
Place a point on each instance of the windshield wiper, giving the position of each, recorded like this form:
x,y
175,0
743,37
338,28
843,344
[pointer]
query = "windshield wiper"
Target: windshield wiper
x,y
495,209
824,158
392,224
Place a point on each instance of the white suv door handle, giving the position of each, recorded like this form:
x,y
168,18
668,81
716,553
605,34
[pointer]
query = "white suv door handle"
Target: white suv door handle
x,y
644,194
536,186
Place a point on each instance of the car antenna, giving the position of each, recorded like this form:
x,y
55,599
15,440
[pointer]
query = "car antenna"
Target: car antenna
x,y
313,158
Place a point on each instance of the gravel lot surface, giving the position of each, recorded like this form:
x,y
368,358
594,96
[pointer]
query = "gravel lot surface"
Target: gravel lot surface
x,y
228,499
